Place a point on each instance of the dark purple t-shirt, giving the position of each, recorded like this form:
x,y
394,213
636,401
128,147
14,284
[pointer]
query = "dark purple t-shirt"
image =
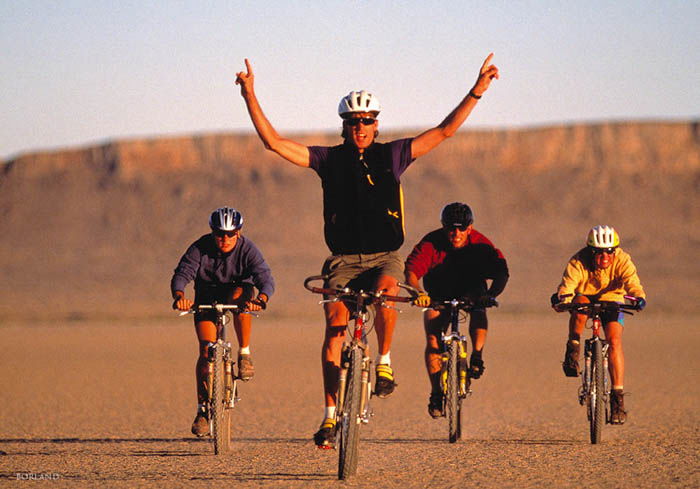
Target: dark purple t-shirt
x,y
362,196
400,156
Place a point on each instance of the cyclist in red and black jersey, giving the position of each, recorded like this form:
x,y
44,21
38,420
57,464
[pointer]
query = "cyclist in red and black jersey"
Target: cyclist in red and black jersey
x,y
455,261
363,213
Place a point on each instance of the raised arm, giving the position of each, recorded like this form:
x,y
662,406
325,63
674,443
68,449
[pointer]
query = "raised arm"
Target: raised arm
x,y
289,150
432,137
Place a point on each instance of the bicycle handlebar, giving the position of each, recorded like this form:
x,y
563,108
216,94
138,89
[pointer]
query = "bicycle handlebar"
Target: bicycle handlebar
x,y
594,308
373,296
219,308
465,304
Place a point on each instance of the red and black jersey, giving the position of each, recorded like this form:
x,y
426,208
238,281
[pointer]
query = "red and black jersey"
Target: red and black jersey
x,y
448,272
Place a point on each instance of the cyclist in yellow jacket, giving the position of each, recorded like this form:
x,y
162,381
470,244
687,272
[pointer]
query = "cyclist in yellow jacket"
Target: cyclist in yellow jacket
x,y
601,271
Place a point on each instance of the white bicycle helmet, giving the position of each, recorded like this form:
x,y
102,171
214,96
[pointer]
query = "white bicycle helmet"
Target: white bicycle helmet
x,y
361,101
225,219
603,237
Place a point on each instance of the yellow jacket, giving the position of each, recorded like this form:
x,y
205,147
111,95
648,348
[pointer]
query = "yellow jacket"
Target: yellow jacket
x,y
609,284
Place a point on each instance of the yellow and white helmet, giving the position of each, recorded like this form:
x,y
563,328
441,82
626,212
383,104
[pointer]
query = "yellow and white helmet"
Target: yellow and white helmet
x,y
361,101
603,237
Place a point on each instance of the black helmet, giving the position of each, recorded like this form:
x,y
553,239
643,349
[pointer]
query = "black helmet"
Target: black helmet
x,y
456,214
225,219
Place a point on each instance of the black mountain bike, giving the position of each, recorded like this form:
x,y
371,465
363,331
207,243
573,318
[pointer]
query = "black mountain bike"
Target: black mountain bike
x,y
594,392
354,384
454,377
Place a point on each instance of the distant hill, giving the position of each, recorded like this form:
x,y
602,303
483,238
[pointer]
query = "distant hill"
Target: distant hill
x,y
98,230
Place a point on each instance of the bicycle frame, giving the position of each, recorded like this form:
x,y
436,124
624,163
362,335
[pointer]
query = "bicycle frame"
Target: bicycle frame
x,y
352,411
587,373
358,339
222,394
454,378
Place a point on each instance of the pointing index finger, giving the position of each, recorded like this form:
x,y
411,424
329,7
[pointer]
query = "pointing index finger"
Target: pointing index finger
x,y
486,62
248,67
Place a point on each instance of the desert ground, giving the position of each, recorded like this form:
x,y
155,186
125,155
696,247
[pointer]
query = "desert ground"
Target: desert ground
x,y
109,403
97,373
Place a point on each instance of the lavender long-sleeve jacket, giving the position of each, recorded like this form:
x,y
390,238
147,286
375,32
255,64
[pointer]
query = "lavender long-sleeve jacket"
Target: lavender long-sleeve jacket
x,y
204,263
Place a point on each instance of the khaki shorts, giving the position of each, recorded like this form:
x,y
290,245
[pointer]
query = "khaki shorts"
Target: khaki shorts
x,y
361,271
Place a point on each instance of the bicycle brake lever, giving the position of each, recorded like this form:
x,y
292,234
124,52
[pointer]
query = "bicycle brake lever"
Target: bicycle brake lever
x,y
328,301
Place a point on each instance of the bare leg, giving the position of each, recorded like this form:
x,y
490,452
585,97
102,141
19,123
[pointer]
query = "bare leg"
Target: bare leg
x,y
206,333
337,317
386,318
478,324
242,323
433,324
577,321
613,334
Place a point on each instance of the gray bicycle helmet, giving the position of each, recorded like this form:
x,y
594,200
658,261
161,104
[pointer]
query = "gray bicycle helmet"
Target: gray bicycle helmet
x,y
225,219
456,214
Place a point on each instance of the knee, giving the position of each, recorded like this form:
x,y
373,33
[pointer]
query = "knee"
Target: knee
x,y
388,284
203,349
432,343
615,343
478,320
241,294
578,320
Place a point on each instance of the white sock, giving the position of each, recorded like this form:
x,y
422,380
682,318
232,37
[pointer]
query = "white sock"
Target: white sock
x,y
330,412
384,359
244,351
618,387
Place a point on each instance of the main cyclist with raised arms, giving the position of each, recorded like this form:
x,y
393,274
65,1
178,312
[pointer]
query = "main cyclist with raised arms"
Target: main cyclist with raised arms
x,y
363,213
225,266
601,271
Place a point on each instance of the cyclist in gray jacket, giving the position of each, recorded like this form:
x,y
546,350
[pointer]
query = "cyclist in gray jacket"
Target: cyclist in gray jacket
x,y
226,268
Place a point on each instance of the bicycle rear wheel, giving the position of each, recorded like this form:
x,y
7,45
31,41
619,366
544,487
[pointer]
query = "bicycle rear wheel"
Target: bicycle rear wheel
x,y
350,417
597,418
452,401
221,414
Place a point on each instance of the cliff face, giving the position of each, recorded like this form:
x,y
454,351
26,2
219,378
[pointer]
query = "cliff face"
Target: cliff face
x,y
99,229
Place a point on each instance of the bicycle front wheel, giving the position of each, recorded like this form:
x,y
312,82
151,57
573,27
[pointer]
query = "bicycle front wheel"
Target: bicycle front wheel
x,y
350,417
221,414
597,418
452,400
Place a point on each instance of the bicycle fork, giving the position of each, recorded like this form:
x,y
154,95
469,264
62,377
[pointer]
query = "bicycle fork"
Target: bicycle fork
x,y
366,385
230,383
464,381
586,389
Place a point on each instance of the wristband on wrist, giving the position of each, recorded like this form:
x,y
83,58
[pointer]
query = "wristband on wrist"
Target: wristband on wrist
x,y
472,94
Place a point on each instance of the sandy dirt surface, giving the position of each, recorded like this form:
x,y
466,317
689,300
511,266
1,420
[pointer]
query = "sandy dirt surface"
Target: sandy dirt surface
x,y
109,404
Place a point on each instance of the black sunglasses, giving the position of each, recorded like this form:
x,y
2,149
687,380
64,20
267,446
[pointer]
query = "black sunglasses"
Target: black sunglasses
x,y
460,227
367,121
597,251
220,234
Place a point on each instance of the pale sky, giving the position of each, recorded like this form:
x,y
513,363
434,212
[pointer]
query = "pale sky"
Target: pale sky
x,y
78,73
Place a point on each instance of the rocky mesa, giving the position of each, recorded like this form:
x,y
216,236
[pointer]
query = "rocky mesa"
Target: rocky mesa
x,y
98,230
